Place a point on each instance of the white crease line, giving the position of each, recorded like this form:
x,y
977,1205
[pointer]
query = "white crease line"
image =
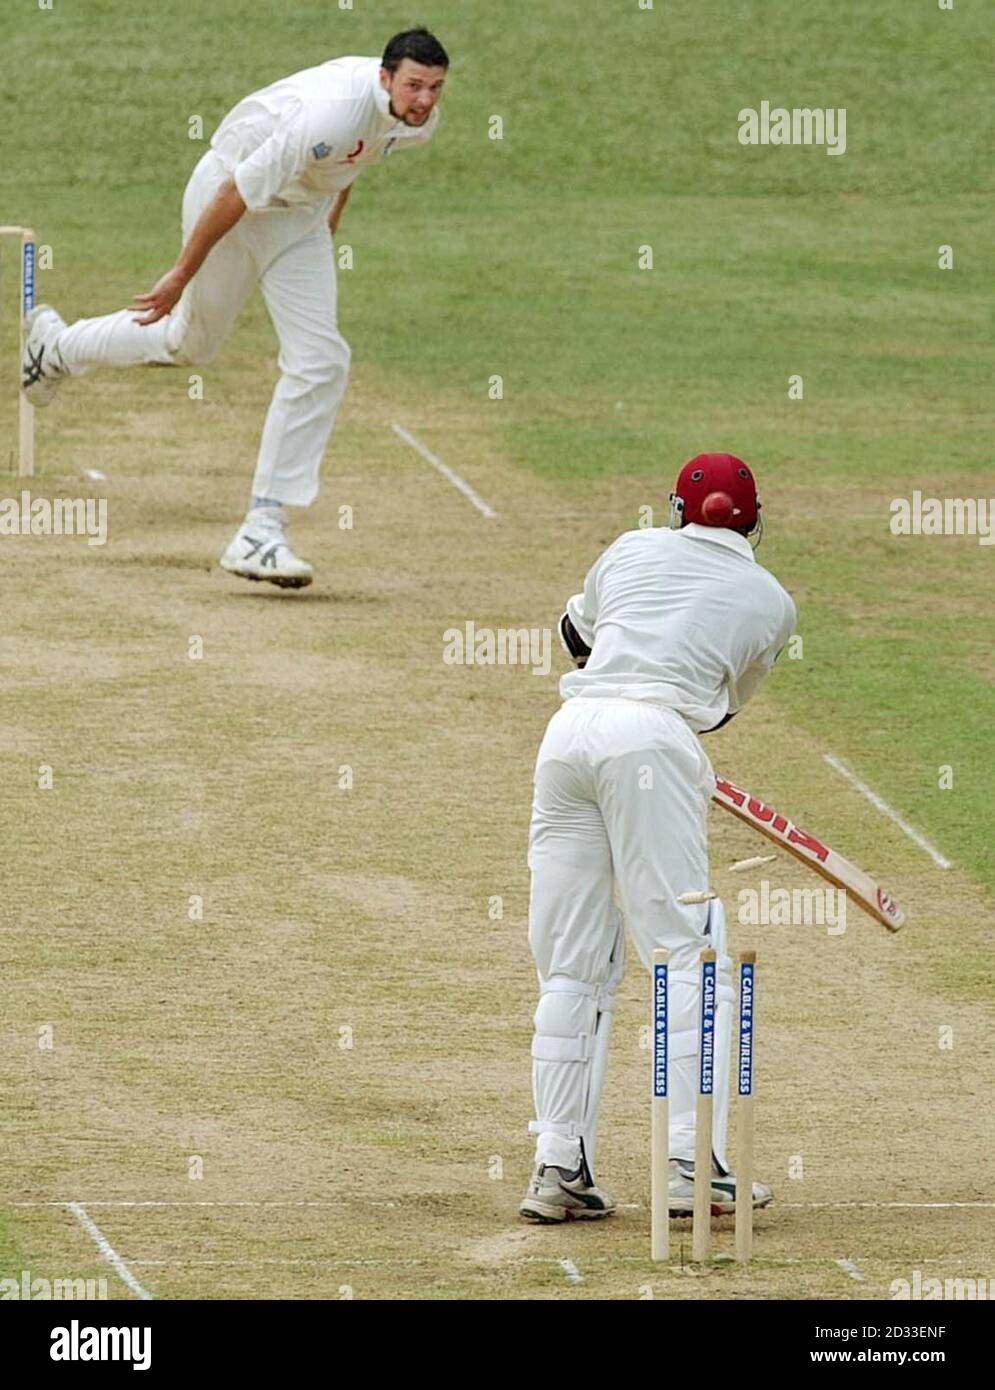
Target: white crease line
x,y
882,805
108,1251
848,1267
885,1206
571,1271
445,470
777,1206
253,1205
182,1262
626,1206
539,1261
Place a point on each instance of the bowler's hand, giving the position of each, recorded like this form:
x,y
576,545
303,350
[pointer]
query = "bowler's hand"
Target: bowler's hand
x,y
162,298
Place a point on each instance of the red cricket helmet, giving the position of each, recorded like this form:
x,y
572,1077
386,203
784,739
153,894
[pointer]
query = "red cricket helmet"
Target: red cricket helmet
x,y
715,490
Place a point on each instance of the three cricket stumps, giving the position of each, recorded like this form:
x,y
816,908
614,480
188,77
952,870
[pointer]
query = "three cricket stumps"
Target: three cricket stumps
x,y
660,1117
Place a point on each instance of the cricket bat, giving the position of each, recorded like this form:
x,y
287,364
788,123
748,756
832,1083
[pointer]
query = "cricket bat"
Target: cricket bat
x,y
858,886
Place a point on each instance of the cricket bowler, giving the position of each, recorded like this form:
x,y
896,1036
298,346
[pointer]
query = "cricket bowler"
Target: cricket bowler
x,y
259,210
673,633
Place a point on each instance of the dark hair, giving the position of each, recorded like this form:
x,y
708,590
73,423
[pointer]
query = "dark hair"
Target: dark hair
x,y
418,45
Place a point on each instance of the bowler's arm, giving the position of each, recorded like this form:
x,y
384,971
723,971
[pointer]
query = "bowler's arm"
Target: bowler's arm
x,y
220,215
336,212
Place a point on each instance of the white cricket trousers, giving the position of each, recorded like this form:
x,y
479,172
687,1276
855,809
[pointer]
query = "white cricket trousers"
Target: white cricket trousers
x,y
288,253
622,789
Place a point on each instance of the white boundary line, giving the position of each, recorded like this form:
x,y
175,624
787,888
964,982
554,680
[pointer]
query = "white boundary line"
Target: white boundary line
x,y
446,471
108,1251
882,805
848,1267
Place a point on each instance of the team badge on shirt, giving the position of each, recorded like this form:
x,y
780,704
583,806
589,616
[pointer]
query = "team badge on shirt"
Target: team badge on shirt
x,y
321,150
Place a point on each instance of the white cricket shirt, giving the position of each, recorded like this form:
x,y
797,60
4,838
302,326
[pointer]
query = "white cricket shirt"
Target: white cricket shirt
x,y
686,618
305,138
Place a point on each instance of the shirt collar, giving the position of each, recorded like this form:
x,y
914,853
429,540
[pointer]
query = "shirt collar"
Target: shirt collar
x,y
381,98
720,535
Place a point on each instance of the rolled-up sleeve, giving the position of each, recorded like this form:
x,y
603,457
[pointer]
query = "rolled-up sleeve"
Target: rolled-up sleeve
x,y
274,164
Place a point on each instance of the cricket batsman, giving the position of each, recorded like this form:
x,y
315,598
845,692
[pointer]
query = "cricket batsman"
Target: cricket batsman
x,y
259,210
675,630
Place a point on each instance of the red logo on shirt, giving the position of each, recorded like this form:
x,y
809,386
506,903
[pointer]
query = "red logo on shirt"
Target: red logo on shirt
x,y
356,153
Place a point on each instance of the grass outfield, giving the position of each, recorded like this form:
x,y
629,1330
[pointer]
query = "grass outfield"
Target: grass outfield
x,y
367,910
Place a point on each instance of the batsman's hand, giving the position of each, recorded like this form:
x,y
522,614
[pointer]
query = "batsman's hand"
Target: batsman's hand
x,y
162,298
572,642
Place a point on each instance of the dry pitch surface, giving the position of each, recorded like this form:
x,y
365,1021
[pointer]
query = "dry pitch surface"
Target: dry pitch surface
x,y
343,1039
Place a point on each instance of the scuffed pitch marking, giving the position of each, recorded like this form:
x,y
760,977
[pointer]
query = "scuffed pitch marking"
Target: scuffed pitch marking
x,y
571,1271
848,1267
495,1249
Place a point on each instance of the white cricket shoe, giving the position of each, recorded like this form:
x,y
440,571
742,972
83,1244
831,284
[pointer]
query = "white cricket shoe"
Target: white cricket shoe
x,y
557,1195
723,1196
260,551
41,367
